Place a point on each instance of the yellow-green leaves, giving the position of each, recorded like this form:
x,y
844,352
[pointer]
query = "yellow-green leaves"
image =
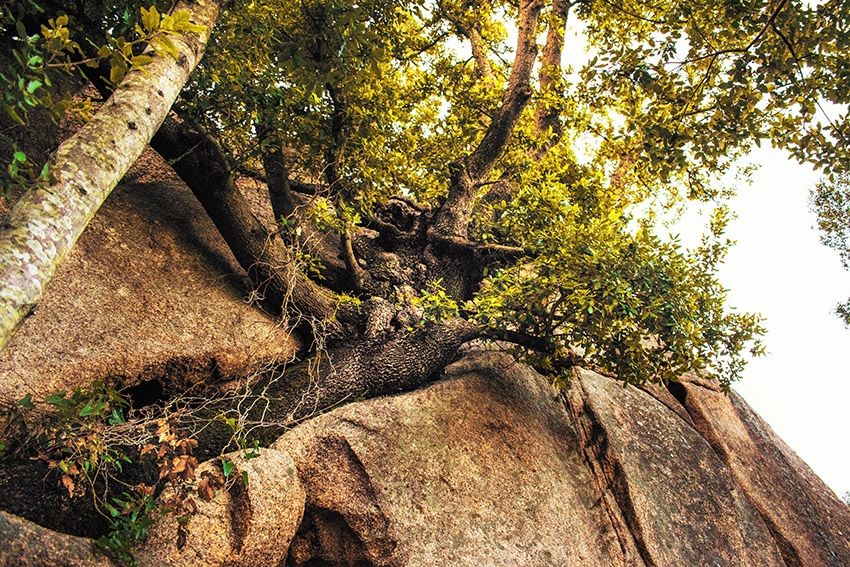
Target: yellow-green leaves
x,y
176,22
161,43
150,19
180,22
160,28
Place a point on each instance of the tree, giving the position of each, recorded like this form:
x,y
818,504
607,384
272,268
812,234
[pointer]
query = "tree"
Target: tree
x,y
473,189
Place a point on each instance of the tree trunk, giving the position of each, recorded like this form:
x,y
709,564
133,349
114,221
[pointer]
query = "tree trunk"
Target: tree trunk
x,y
280,285
44,225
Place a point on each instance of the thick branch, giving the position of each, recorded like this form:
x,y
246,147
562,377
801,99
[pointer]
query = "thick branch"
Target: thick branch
x,y
46,223
198,160
333,153
479,51
277,176
546,116
456,212
555,360
280,191
365,368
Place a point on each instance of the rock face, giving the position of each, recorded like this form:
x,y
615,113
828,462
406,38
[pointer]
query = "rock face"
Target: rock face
x,y
242,525
490,466
24,544
149,292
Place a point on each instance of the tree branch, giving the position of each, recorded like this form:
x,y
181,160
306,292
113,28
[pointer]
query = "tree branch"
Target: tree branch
x,y
547,116
206,171
455,214
277,176
485,249
479,52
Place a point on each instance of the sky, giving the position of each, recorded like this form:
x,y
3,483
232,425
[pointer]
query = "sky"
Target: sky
x,y
780,269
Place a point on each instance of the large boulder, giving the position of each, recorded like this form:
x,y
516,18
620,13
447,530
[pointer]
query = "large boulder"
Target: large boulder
x,y
24,544
149,293
798,508
492,466
242,525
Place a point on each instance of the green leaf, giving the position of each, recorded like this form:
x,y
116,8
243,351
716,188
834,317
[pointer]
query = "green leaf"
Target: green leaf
x,y
33,86
179,21
141,60
26,402
57,399
117,417
226,468
87,409
244,478
13,114
117,69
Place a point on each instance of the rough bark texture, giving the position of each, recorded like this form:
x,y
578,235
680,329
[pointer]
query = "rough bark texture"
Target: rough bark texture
x,y
490,466
546,116
44,225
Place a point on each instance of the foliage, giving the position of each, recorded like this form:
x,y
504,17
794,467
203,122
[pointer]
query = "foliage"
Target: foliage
x,y
629,302
131,520
435,304
36,61
371,99
830,200
71,437
89,436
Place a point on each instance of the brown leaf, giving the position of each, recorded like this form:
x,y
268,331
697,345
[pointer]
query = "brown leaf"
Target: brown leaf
x,y
181,537
186,445
205,491
190,505
68,483
191,465
147,449
178,464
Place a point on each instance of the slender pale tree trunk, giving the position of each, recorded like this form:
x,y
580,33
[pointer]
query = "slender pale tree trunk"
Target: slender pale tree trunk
x,y
44,225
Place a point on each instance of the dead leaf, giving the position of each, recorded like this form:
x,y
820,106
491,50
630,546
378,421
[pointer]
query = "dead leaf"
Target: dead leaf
x,y
205,490
68,483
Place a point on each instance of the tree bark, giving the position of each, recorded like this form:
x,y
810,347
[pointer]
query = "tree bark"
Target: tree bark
x,y
455,214
46,222
479,52
199,162
546,117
